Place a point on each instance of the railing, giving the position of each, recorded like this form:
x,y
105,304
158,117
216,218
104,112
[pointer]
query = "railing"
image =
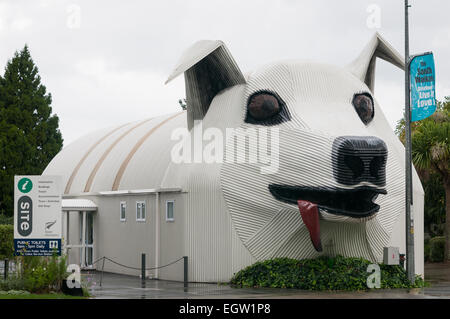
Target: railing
x,y
143,269
9,266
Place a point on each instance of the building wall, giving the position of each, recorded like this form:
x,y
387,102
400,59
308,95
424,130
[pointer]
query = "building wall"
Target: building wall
x,y
215,251
172,237
398,238
125,241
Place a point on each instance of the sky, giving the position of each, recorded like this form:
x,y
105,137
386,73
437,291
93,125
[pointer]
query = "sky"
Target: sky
x,y
105,62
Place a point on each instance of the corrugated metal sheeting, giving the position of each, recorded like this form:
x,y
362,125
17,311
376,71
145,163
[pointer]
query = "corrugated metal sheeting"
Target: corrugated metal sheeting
x,y
230,219
112,159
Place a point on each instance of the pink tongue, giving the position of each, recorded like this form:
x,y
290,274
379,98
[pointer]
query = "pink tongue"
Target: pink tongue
x,y
310,217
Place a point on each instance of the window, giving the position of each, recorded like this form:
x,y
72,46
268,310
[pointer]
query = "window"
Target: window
x,y
123,211
140,211
169,211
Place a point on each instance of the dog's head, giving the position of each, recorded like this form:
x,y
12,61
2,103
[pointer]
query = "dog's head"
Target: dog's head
x,y
320,168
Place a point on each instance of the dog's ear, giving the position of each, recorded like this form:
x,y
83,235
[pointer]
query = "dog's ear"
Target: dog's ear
x,y
208,68
364,65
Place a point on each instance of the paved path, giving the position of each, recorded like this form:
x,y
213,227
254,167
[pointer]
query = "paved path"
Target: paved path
x,y
129,287
438,274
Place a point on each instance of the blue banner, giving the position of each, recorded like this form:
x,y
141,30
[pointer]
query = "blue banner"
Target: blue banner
x,y
37,247
423,95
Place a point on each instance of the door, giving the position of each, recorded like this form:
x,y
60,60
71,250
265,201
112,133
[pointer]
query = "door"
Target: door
x,y
89,252
86,239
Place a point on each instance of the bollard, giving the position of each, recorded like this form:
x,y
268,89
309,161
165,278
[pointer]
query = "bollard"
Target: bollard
x,y
6,269
185,260
103,267
143,269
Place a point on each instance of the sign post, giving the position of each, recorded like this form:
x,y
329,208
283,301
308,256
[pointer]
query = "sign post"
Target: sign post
x,y
409,221
37,215
420,90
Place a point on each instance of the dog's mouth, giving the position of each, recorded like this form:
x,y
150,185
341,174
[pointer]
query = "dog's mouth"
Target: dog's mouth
x,y
355,203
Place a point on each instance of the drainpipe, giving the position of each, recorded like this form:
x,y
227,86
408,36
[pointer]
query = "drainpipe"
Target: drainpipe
x,y
157,229
83,242
67,242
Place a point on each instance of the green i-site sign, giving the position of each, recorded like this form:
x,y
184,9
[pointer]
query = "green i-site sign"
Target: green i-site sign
x,y
37,215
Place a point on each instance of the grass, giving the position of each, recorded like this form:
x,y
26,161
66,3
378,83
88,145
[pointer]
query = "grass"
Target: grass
x,y
39,296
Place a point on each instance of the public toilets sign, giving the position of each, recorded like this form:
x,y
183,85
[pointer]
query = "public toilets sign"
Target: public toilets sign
x,y
37,215
423,96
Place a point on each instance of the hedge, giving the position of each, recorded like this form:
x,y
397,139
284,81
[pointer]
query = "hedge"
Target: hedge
x,y
6,241
436,249
323,273
39,274
7,220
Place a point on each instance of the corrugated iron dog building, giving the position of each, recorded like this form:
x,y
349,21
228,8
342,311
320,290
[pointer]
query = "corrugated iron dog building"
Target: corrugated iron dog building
x,y
335,186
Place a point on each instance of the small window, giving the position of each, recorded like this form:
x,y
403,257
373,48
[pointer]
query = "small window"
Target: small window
x,y
123,211
140,211
169,211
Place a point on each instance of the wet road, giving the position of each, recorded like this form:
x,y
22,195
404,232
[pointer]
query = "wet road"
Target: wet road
x,y
129,287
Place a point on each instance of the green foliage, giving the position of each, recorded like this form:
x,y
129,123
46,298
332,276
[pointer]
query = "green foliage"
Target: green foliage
x,y
434,211
323,273
14,292
6,220
21,294
430,140
37,275
85,292
43,274
13,283
436,249
431,151
426,250
431,145
29,134
6,241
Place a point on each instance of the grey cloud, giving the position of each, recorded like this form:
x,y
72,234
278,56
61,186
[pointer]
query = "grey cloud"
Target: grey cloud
x,y
140,41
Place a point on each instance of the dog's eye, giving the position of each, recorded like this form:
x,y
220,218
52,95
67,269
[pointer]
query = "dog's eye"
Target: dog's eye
x,y
266,108
263,106
363,104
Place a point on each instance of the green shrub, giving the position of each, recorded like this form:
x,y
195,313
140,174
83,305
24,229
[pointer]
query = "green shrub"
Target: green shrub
x,y
426,250
323,273
14,292
6,241
37,275
43,274
6,220
437,248
12,283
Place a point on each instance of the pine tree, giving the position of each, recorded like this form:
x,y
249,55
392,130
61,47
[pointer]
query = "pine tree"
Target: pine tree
x,y
29,133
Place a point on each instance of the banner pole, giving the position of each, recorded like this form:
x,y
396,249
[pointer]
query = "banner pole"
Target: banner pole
x,y
409,221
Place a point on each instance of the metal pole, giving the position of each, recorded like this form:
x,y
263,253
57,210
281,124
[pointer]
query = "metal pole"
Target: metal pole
x,y
66,238
157,232
83,242
6,269
143,269
103,267
409,225
185,261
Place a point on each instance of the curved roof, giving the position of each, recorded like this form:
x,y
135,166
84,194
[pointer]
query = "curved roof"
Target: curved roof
x,y
113,158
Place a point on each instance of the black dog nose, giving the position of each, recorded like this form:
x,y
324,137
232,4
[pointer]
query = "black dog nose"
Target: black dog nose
x,y
359,159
